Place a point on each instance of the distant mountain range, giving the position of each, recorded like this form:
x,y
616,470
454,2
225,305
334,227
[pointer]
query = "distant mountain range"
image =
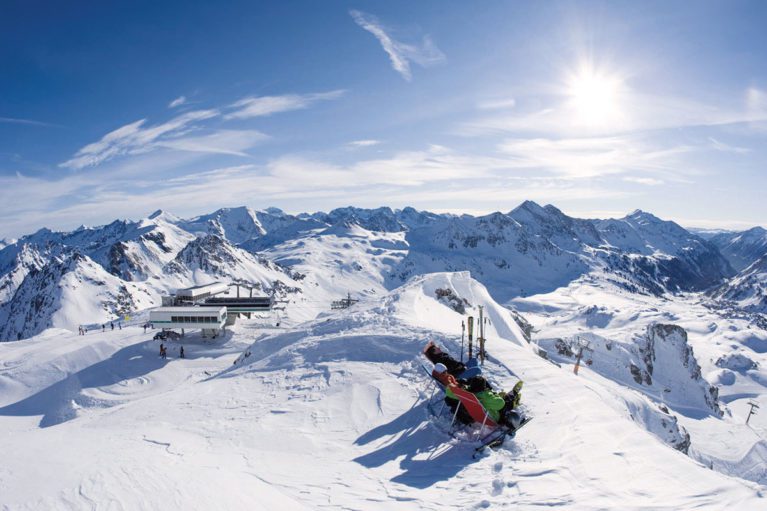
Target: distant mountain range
x,y
90,275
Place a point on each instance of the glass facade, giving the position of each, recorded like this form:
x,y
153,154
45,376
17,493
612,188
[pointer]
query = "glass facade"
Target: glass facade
x,y
196,319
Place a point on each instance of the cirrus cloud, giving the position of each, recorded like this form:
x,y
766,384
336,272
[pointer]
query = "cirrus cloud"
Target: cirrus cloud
x,y
400,54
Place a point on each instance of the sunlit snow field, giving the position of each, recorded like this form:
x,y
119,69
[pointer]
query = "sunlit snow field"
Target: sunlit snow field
x,y
330,414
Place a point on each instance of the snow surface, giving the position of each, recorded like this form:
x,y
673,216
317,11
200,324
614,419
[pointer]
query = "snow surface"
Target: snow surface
x,y
591,310
331,413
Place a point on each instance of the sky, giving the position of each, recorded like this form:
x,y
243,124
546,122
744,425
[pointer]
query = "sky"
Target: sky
x,y
116,109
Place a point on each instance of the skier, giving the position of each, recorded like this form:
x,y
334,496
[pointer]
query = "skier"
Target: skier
x,y
120,325
162,350
144,327
112,325
103,327
181,352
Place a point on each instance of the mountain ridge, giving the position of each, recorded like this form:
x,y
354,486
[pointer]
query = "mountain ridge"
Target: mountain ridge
x,y
531,249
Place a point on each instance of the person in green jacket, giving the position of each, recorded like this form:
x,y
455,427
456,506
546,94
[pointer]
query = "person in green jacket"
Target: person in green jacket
x,y
497,404
492,401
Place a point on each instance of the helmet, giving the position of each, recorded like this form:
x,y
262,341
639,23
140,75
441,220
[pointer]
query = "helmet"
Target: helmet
x,y
477,384
440,368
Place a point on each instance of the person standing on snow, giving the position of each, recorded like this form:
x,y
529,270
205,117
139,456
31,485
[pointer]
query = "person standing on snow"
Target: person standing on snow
x,y
103,327
181,353
112,325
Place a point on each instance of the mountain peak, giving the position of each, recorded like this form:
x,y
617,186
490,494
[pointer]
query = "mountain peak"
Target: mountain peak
x,y
757,231
531,206
643,217
163,215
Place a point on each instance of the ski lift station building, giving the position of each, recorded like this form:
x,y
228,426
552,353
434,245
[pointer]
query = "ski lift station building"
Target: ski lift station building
x,y
208,319
198,293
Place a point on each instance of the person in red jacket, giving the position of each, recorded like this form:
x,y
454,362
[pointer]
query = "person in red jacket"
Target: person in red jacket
x,y
445,378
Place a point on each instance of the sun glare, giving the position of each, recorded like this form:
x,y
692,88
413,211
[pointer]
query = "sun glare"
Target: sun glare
x,y
594,97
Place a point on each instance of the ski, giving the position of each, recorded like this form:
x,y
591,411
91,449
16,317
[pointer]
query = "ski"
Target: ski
x,y
498,440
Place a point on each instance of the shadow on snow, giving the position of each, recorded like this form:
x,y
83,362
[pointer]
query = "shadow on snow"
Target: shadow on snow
x,y
428,457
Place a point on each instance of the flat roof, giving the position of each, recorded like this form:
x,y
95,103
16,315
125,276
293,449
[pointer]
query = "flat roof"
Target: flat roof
x,y
265,300
195,290
188,309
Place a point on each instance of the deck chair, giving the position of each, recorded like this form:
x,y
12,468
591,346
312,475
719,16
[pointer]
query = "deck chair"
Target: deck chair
x,y
474,407
476,411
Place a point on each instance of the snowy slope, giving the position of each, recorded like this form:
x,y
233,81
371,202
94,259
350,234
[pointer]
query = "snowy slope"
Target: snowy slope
x,y
211,258
748,289
69,291
728,352
742,249
329,413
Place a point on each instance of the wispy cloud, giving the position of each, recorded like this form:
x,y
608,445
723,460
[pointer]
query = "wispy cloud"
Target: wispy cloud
x,y
134,138
648,181
590,157
231,142
28,122
364,143
191,131
557,115
177,102
721,146
497,103
260,106
400,54
435,175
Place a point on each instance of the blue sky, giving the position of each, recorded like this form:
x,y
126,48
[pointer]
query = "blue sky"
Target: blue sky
x,y
115,109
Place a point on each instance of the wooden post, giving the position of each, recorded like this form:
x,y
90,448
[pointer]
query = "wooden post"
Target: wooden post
x,y
578,360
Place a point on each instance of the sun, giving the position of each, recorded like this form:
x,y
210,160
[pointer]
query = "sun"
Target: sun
x,y
594,97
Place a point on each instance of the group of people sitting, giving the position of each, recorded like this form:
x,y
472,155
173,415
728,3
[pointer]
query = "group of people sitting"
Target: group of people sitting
x,y
500,406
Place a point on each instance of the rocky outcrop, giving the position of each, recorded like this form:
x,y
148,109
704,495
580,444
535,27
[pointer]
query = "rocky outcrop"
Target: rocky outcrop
x,y
670,360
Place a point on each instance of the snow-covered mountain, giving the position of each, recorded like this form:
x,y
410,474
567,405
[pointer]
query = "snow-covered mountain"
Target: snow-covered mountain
x,y
66,290
536,249
742,249
41,285
748,289
333,402
529,250
747,252
211,257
